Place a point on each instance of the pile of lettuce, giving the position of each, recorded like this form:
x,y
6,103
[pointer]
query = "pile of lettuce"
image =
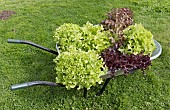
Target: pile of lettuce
x,y
132,46
89,51
79,64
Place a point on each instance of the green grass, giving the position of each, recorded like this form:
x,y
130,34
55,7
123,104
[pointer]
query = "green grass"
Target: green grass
x,y
36,20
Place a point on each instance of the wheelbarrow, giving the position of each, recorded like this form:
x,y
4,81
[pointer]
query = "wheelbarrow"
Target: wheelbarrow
x,y
157,52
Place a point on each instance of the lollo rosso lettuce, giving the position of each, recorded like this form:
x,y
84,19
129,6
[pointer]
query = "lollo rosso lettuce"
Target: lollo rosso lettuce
x,y
118,19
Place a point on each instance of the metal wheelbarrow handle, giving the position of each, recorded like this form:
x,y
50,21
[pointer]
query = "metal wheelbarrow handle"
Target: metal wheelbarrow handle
x,y
34,83
32,44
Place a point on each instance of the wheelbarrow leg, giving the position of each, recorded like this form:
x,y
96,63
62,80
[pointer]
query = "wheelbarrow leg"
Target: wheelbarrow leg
x,y
85,93
104,86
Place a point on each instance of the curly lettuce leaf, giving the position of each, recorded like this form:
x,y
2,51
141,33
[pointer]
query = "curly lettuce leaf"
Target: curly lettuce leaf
x,y
88,37
137,40
79,69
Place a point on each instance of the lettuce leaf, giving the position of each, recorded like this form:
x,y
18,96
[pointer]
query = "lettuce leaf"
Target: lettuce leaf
x,y
137,40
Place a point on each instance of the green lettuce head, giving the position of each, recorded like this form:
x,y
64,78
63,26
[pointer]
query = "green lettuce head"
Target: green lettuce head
x,y
137,40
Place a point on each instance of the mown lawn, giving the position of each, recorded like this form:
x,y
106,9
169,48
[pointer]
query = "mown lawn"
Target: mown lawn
x,y
36,20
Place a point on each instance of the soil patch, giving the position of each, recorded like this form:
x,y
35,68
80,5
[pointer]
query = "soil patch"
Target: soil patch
x,y
5,14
